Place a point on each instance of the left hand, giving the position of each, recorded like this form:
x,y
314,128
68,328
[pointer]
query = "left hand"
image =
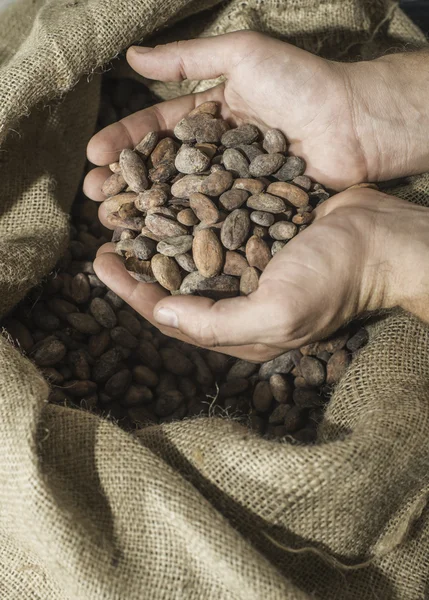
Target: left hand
x,y
364,251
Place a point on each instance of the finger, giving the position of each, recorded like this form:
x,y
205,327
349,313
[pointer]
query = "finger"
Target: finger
x,y
93,182
143,297
203,58
108,248
102,215
106,145
232,322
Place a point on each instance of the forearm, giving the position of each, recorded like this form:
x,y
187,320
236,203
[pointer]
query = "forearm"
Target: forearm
x,y
389,101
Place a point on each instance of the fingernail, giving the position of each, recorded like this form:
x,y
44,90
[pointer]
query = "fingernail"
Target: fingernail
x,y
141,49
166,316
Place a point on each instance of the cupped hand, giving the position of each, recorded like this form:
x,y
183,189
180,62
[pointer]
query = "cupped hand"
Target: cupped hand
x,y
361,252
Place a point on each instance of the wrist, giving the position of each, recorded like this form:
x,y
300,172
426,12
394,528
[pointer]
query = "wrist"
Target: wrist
x,y
387,99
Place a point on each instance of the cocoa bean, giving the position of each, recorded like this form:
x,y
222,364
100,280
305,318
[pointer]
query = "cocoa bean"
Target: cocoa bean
x,y
233,199
235,229
114,185
258,253
337,366
175,245
274,141
277,246
207,108
191,283
265,219
207,253
187,217
216,183
236,162
217,362
218,288
205,209
133,170
129,321
107,365
293,167
83,323
143,247
168,403
146,146
244,134
123,337
267,203
280,388
282,364
249,281
141,270
113,204
118,384
190,160
250,151
253,186
235,264
163,172
148,354
79,389
289,192
277,417
98,343
208,149
164,227
103,313
303,182
79,365
210,130
19,333
242,369
313,371
186,262
283,230
136,395
187,185
145,376
233,387
165,150
307,398
156,196
294,419
115,167
358,340
262,396
166,272
176,362
49,353
266,164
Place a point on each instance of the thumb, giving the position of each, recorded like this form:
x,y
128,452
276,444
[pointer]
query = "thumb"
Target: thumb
x,y
203,58
231,322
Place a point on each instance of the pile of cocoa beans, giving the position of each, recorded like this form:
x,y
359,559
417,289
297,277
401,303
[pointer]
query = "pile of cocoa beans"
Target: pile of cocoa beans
x,y
204,213
98,354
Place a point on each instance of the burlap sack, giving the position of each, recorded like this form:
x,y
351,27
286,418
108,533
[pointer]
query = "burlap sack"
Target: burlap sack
x,y
200,509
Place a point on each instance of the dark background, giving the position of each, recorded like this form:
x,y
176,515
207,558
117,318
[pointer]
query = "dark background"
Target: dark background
x,y
418,11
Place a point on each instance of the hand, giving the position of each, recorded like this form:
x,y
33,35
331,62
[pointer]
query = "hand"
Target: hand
x,y
362,251
351,122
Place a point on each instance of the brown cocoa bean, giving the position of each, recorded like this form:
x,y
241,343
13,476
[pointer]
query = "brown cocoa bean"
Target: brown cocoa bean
x,y
165,150
244,134
121,336
277,246
358,340
191,282
303,182
253,186
235,229
218,288
83,323
78,388
207,108
306,397
266,164
115,167
283,230
282,364
207,253
236,162
107,365
190,160
280,388
133,170
292,168
49,353
241,369
143,248
187,217
210,130
186,262
249,281
208,149
146,146
216,183
166,271
337,366
205,209
113,204
124,248
118,384
141,270
98,343
265,219
129,321
289,192
262,396
250,151
278,415
235,264
175,245
302,219
233,199
233,387
187,185
267,203
217,362
53,376
134,223
176,362
103,313
79,365
163,172
156,196
145,376
164,227
20,333
313,371
168,403
128,211
274,141
294,419
114,185
136,395
148,354
258,253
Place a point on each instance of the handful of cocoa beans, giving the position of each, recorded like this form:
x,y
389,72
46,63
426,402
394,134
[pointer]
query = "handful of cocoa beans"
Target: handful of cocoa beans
x,y
205,213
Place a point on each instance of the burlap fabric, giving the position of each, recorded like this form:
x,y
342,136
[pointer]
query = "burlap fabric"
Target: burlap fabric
x,y
200,509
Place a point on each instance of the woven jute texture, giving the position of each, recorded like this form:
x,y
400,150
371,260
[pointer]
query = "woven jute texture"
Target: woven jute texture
x,y
199,509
